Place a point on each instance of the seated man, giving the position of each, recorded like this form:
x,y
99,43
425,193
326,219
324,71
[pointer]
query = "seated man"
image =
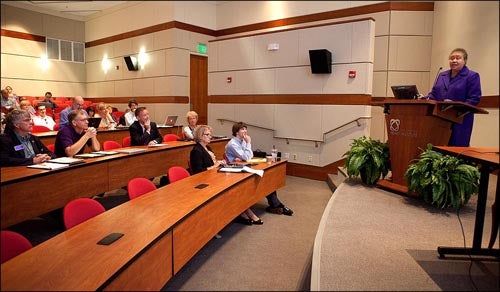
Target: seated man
x,y
143,131
72,139
41,119
239,148
17,145
77,104
49,101
130,116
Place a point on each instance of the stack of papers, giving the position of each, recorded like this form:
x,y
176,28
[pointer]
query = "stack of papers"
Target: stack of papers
x,y
67,160
48,165
158,145
131,150
96,154
258,172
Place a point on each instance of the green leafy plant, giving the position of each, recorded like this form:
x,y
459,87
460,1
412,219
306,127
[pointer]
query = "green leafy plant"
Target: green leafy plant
x,y
368,159
442,180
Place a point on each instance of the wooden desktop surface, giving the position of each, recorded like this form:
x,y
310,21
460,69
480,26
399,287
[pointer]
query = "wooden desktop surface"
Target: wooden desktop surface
x,y
106,135
162,231
27,193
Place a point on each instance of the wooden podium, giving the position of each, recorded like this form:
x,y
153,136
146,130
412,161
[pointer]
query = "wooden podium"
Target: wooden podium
x,y
411,125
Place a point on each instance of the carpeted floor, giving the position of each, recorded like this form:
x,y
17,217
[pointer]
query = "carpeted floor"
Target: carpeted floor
x,y
377,240
273,256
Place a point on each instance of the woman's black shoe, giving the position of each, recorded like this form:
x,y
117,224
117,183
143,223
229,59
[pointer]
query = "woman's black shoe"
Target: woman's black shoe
x,y
246,221
257,222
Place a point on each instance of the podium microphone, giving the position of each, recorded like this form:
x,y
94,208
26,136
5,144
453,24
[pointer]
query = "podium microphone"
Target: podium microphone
x,y
435,80
437,75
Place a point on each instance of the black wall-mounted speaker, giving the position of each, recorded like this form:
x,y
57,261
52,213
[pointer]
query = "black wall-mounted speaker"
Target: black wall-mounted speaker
x,y
321,61
131,62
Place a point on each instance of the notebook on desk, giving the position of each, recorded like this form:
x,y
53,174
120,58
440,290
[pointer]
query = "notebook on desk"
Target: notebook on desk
x,y
170,120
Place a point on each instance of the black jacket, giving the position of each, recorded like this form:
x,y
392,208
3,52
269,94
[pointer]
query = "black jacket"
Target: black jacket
x,y
199,159
9,156
139,137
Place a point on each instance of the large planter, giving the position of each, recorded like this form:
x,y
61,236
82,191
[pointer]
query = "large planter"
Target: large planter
x,y
442,180
368,159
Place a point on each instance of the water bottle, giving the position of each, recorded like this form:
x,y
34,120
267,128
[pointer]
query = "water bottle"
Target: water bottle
x,y
274,154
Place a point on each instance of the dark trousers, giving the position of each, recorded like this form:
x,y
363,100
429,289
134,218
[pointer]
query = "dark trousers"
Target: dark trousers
x,y
273,201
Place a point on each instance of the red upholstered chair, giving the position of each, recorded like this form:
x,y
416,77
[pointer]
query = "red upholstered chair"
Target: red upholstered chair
x,y
110,145
39,129
80,210
139,186
51,147
126,141
13,244
118,115
170,137
176,173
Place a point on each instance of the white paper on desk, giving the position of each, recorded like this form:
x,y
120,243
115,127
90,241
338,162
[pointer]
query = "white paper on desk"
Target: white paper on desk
x,y
105,152
88,155
258,172
67,160
48,165
158,145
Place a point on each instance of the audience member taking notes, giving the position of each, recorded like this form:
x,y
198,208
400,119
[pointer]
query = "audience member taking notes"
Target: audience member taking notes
x,y
71,140
17,145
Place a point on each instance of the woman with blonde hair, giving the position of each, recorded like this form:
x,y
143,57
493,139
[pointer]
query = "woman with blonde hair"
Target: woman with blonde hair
x,y
192,119
107,121
202,158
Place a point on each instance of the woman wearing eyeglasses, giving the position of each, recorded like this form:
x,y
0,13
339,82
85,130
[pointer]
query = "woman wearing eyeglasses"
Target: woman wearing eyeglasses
x,y
458,84
203,158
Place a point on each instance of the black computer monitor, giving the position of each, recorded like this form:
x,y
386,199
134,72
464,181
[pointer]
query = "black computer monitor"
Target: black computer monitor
x,y
405,91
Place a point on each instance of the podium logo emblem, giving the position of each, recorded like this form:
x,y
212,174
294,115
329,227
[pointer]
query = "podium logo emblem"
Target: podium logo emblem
x,y
394,125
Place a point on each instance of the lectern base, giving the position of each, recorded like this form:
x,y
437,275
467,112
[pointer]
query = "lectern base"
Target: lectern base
x,y
493,252
389,185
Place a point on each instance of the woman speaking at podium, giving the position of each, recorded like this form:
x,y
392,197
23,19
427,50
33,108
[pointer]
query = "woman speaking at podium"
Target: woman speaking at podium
x,y
458,84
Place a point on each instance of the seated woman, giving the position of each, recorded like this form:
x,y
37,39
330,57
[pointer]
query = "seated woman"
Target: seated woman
x,y
90,111
203,158
192,119
107,121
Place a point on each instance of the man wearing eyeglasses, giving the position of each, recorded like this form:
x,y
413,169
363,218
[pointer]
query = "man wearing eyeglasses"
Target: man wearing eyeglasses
x,y
17,145
77,104
72,139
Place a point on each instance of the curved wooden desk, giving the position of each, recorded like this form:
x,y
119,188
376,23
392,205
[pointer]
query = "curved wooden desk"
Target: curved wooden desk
x,y
27,193
162,231
114,135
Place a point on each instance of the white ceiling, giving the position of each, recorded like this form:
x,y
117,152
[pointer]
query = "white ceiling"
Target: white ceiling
x,y
78,10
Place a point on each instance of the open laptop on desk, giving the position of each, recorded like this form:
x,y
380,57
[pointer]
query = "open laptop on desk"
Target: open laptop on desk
x,y
405,91
170,121
94,122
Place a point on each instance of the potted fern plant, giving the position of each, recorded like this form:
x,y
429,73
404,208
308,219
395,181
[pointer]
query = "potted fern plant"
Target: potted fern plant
x,y
368,159
442,180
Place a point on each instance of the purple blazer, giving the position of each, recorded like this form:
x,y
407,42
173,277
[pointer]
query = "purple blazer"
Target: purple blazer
x,y
465,87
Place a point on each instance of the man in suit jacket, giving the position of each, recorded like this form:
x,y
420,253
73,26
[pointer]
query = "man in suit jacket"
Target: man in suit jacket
x,y
143,131
17,145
